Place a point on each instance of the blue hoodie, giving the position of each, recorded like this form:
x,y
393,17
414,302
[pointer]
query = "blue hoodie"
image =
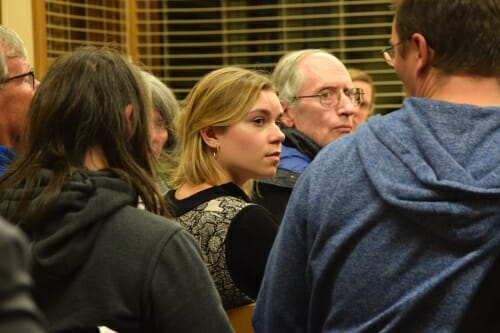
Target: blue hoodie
x,y
391,229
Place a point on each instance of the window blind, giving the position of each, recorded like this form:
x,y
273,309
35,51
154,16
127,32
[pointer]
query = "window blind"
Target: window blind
x,y
181,40
71,24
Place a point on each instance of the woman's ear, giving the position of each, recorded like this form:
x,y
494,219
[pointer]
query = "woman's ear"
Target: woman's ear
x,y
209,136
128,117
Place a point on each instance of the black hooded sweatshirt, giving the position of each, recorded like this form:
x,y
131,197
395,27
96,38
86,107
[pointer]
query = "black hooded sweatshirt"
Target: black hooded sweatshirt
x,y
100,261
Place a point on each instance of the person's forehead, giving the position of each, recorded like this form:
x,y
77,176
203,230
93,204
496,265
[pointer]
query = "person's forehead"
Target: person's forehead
x,y
18,65
324,70
318,61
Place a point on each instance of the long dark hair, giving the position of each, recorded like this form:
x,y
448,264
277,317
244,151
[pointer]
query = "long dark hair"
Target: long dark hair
x,y
80,105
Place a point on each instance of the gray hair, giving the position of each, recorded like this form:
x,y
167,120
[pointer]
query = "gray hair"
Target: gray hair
x,y
11,44
163,99
286,75
3,68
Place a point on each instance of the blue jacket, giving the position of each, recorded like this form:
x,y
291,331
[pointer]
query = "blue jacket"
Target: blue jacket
x,y
6,157
390,229
291,159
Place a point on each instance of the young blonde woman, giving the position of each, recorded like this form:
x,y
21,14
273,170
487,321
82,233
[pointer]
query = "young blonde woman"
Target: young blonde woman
x,y
228,135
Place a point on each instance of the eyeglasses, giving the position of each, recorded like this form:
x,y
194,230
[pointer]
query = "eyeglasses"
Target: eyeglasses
x,y
30,76
388,53
331,97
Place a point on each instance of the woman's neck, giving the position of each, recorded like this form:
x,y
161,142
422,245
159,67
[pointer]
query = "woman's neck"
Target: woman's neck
x,y
187,189
95,159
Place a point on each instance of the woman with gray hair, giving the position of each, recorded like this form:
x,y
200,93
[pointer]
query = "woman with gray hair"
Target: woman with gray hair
x,y
163,140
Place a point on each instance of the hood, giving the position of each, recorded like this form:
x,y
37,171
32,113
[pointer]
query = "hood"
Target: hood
x,y
63,242
438,164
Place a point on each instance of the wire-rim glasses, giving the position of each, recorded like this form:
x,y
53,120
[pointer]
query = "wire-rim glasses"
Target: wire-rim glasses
x,y
388,53
331,97
30,75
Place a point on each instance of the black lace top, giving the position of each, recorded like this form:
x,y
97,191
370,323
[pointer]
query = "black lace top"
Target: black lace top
x,y
235,237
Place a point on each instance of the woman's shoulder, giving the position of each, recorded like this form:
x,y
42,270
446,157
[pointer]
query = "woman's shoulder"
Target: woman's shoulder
x,y
139,222
256,217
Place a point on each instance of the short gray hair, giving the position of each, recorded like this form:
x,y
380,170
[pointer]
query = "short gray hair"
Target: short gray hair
x,y
163,99
12,44
286,75
3,68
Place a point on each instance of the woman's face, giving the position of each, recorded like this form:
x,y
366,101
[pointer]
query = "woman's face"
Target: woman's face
x,y
250,149
363,110
159,134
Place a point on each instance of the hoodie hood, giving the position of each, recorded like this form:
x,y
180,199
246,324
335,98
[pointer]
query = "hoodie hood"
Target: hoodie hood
x,y
439,165
63,242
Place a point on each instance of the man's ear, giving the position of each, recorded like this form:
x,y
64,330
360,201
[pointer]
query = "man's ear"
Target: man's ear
x,y
209,136
128,117
286,119
425,53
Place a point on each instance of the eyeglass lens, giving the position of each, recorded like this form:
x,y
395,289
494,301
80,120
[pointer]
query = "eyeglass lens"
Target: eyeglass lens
x,y
332,96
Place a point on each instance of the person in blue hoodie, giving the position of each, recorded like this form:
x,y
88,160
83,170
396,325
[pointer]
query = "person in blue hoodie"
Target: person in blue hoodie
x,y
403,234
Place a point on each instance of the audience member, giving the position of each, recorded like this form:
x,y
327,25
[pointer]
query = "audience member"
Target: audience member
x,y
165,109
318,100
400,234
18,312
363,80
16,90
228,135
87,158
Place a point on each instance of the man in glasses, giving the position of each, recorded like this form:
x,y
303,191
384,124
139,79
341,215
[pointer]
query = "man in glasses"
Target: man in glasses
x,y
18,312
318,101
396,228
17,88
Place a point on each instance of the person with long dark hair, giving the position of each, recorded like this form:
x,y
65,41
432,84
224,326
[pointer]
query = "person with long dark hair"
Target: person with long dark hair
x,y
98,259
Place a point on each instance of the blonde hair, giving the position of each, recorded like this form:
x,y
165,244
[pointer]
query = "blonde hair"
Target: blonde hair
x,y
359,75
221,98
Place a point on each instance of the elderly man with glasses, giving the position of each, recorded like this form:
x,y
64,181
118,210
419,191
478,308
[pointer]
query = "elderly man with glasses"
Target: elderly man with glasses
x,y
318,100
396,228
17,87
